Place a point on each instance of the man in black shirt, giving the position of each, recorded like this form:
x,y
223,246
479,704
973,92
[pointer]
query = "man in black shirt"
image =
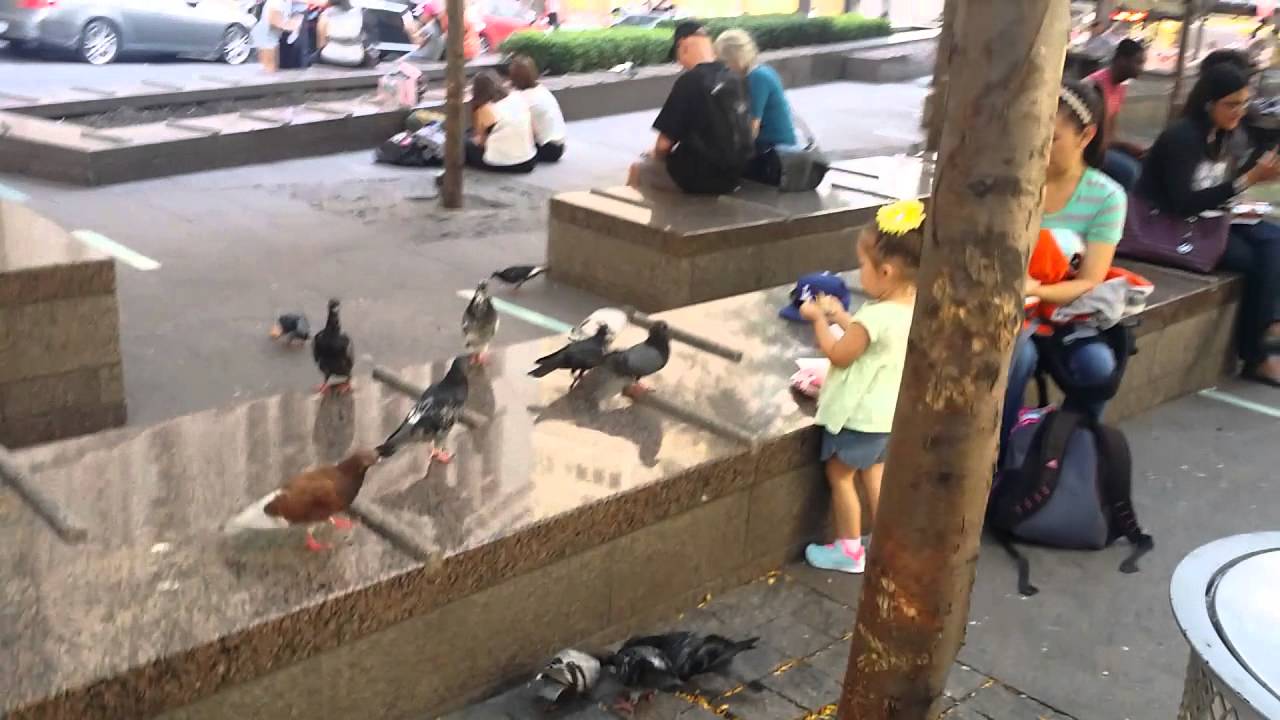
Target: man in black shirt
x,y
684,159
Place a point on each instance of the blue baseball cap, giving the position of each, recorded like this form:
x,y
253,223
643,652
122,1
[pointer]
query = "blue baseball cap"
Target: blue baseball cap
x,y
813,285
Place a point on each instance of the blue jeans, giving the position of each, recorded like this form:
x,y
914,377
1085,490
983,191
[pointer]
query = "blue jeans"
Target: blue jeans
x,y
1089,364
1123,168
1255,251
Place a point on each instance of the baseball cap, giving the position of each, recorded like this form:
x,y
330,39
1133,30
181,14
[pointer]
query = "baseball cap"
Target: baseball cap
x,y
684,29
812,285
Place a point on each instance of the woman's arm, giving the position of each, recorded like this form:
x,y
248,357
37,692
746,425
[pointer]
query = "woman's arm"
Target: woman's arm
x,y
322,31
1181,154
482,121
1097,261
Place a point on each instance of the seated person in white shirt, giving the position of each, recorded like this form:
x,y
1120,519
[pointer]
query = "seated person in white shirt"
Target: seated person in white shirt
x,y
548,122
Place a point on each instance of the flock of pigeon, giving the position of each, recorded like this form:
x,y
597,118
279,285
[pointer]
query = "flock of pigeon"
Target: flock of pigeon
x,y
318,495
643,665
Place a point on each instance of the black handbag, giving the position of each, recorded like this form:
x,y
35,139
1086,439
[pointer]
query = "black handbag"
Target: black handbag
x,y
798,168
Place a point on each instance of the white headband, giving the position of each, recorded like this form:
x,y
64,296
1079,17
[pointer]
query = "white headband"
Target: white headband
x,y
1077,105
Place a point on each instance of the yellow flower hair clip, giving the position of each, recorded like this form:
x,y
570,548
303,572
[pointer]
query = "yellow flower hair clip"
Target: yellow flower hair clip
x,y
901,217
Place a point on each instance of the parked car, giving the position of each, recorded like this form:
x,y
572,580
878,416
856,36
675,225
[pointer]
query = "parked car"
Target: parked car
x,y
100,31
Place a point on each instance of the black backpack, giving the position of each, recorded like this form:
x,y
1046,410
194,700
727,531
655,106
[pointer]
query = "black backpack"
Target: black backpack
x,y
729,138
1066,482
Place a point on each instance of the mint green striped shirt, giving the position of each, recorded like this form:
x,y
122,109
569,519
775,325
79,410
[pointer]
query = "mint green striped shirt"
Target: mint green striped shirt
x,y
1095,211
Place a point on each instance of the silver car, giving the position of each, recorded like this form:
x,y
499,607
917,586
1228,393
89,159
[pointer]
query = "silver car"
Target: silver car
x,y
99,31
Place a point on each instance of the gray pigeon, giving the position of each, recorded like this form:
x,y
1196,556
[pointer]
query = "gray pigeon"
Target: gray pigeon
x,y
690,654
642,669
518,275
627,367
293,327
434,415
571,673
479,324
576,357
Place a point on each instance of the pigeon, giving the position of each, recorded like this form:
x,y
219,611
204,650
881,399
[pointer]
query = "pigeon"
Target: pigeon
x,y
627,68
690,654
293,327
571,673
479,324
309,498
576,357
334,352
642,669
434,415
639,361
612,318
518,275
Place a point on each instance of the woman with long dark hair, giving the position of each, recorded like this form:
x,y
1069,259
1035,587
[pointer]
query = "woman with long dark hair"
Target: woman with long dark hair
x,y
501,128
1191,169
1085,210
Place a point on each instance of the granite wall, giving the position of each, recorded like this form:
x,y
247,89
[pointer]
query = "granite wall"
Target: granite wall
x,y
60,369
440,660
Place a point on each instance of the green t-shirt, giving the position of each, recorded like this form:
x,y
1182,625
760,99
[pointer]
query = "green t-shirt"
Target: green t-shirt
x,y
864,395
1095,211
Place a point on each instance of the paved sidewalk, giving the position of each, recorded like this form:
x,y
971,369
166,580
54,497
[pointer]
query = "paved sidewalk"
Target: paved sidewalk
x,y
803,618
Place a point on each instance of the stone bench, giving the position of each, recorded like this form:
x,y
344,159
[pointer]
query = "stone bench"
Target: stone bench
x,y
658,250
554,526
888,65
60,369
1185,339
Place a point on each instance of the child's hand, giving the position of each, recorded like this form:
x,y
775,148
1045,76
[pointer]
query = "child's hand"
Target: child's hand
x,y
830,305
811,311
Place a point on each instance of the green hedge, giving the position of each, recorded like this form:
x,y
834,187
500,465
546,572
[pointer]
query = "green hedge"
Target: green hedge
x,y
586,50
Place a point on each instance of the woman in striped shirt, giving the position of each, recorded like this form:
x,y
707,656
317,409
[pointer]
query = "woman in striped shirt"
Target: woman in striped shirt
x,y
1088,208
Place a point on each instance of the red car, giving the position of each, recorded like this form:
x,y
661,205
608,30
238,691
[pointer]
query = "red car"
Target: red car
x,y
498,18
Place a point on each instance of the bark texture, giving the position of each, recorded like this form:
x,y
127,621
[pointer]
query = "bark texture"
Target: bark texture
x,y
1002,94
454,124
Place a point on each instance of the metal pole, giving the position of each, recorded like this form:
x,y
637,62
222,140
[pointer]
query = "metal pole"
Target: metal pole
x,y
451,189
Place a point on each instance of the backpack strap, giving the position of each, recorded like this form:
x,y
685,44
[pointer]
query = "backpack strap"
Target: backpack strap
x,y
1115,468
1025,588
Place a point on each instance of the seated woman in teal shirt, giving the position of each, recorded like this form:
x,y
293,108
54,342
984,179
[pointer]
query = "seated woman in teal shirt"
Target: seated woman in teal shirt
x,y
769,106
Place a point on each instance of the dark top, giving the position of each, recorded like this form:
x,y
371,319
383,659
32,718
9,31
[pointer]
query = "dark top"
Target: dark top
x,y
686,115
1184,174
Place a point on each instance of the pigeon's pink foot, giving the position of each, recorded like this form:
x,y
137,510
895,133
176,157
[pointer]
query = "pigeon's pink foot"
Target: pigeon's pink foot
x,y
322,388
276,331
315,545
343,388
341,523
628,703
443,457
635,390
480,359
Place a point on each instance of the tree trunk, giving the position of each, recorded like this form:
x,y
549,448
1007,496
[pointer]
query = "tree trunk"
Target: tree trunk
x,y
454,123
1184,45
931,118
1000,102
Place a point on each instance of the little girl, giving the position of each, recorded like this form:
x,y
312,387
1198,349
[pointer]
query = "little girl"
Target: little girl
x,y
860,392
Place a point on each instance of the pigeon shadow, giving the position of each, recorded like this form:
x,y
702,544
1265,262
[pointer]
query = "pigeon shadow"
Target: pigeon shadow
x,y
580,406
334,429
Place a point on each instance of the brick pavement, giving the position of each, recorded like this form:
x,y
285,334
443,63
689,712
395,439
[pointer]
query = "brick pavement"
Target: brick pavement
x,y
803,618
